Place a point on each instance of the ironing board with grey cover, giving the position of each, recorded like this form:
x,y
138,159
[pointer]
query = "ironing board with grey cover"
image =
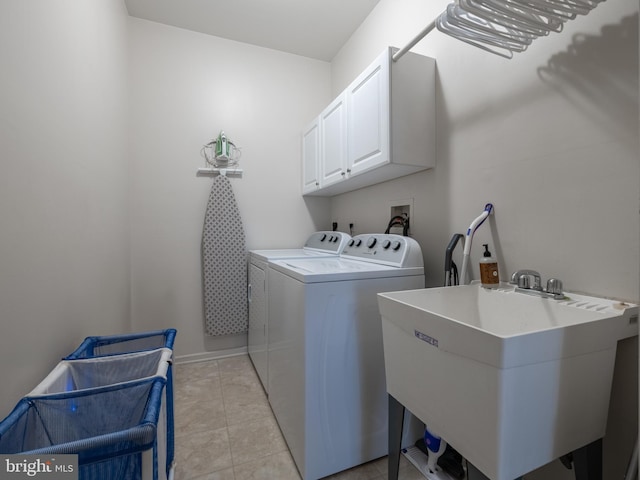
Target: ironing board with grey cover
x,y
224,263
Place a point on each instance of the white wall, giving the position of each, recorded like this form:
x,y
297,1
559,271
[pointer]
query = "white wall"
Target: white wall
x,y
551,139
63,188
185,87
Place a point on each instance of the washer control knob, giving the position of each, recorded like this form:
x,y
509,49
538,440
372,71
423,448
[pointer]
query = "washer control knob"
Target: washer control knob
x,y
386,244
396,246
324,237
358,242
335,239
372,242
351,242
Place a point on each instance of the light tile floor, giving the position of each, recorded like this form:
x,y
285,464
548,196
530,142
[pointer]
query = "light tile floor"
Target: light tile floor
x,y
225,429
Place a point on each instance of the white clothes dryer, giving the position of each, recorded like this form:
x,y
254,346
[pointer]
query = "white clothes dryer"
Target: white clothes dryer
x,y
319,244
326,364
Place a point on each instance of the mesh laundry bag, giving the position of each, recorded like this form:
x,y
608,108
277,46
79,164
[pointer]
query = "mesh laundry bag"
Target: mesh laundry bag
x,y
116,344
114,430
96,372
99,346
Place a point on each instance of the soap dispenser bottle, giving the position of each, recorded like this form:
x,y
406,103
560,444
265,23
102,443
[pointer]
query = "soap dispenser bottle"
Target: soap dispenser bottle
x,y
489,276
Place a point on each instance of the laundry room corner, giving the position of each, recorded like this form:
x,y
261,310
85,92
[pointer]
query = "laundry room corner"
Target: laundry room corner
x,y
185,88
550,138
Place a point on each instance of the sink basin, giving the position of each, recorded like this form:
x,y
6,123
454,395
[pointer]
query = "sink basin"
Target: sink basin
x,y
512,381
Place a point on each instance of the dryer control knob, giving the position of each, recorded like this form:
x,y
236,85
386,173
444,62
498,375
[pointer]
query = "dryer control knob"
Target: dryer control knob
x,y
351,242
358,242
386,244
396,246
372,242
324,237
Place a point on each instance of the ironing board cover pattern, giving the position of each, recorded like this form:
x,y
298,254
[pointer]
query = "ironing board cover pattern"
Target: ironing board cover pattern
x,y
224,263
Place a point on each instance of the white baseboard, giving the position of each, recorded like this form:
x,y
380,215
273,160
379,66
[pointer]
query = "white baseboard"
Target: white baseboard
x,y
207,356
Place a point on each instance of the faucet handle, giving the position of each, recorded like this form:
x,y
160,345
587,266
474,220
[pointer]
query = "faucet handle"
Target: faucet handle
x,y
524,281
521,278
554,286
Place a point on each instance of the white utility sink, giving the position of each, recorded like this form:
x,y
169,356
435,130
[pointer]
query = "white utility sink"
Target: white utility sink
x,y
512,381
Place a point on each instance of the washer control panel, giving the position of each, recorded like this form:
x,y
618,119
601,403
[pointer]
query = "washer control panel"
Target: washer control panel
x,y
387,249
325,241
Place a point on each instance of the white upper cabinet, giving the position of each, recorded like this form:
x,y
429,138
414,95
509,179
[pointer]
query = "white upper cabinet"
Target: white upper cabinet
x,y
311,158
381,127
368,124
333,142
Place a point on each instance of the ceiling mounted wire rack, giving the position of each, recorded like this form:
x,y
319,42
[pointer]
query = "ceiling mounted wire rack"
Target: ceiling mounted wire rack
x,y
503,27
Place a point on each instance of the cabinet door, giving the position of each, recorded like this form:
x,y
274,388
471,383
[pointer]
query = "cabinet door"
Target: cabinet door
x,y
368,124
257,337
333,142
311,157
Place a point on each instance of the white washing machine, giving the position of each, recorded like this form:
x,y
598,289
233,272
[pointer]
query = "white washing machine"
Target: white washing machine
x,y
326,364
318,245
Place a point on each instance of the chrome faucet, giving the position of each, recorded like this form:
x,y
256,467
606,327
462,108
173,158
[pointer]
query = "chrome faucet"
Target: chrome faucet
x,y
522,280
